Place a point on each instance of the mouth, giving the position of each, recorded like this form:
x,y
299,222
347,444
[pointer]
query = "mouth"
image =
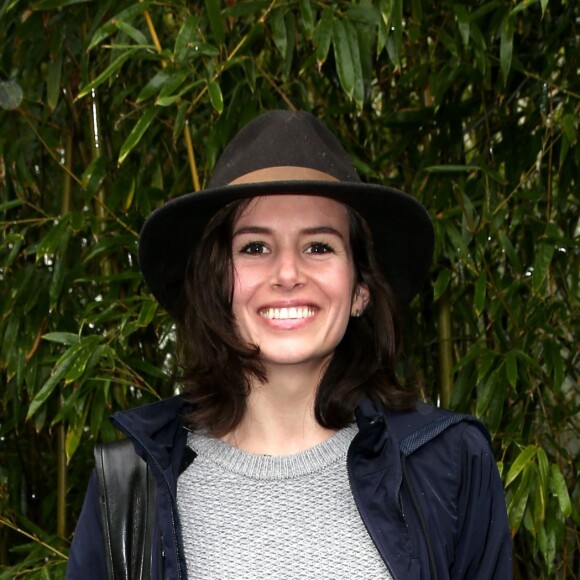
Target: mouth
x,y
291,313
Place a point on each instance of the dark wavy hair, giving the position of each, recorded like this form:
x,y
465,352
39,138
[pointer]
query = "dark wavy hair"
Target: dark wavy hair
x,y
218,367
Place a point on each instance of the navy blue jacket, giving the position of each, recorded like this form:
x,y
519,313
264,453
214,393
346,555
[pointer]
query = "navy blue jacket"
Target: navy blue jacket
x,y
413,474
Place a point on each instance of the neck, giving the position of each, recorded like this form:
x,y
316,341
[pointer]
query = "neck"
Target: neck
x,y
279,418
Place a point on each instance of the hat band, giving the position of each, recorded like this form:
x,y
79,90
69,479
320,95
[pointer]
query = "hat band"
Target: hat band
x,y
283,173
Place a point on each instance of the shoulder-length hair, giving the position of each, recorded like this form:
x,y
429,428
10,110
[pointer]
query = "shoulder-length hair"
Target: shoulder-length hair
x,y
218,367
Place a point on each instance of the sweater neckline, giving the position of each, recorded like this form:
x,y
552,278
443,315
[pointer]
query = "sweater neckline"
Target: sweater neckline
x,y
256,466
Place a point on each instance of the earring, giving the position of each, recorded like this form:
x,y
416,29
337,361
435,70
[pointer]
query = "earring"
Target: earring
x,y
357,313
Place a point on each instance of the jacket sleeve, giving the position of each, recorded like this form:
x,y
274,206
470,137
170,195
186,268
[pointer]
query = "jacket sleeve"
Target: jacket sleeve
x,y
87,560
483,549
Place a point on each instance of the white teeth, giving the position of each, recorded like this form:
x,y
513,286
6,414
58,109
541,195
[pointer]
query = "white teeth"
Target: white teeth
x,y
287,313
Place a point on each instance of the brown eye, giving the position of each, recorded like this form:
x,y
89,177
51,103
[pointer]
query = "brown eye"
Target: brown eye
x,y
318,248
254,248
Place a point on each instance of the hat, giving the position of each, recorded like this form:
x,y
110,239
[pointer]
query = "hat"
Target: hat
x,y
279,141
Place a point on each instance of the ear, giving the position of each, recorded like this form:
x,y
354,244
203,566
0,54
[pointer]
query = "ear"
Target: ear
x,y
360,300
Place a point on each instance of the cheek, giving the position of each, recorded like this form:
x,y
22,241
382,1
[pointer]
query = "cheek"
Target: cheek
x,y
245,283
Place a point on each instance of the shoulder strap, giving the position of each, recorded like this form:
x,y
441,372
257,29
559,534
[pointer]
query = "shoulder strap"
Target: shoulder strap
x,y
127,499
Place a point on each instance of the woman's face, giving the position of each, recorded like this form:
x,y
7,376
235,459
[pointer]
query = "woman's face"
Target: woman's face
x,y
294,288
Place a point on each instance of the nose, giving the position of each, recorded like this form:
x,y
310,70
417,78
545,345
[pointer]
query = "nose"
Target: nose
x,y
287,271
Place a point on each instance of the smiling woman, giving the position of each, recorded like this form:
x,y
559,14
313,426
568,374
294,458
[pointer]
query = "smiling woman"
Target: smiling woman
x,y
294,452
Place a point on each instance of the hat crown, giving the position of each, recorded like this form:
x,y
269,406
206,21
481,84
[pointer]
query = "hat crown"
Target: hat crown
x,y
283,138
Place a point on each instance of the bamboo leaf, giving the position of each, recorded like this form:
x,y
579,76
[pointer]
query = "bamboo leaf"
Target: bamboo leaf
x,y
487,391
568,124
187,38
517,506
173,82
542,261
73,438
510,251
215,20
179,120
323,36
108,72
395,37
488,359
358,89
131,32
463,386
463,22
88,348
496,407
147,312
58,373
154,85
54,71
11,204
479,295
539,497
506,47
52,4
278,29
290,24
68,338
520,462
171,99
146,368
547,544
558,484
94,175
106,243
307,15
54,239
385,10
56,282
441,284
523,5
451,168
109,28
511,366
240,9
543,467
344,64
216,98
137,132
364,14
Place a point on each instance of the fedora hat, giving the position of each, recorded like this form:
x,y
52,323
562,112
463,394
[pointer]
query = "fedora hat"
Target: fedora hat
x,y
257,162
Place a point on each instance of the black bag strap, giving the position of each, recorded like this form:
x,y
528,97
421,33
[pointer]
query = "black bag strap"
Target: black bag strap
x,y
127,498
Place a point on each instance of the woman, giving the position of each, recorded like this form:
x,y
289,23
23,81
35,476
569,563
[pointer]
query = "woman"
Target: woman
x,y
284,277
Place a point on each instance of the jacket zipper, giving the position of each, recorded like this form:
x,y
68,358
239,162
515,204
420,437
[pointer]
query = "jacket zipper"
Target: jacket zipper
x,y
158,467
363,516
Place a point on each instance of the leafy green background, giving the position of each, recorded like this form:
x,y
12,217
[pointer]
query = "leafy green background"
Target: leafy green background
x,y
109,108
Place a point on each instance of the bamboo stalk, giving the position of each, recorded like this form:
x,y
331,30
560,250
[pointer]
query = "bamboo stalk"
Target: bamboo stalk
x,y
96,146
191,158
61,463
445,350
61,479
154,35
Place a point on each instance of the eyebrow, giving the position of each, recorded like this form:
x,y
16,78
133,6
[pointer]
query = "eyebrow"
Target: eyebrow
x,y
306,231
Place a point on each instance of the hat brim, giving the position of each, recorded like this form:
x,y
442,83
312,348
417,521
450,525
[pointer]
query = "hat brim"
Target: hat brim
x,y
402,232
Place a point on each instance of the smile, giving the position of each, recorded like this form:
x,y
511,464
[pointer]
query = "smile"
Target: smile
x,y
288,313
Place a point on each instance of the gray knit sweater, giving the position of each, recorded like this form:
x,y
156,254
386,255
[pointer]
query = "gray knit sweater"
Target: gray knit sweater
x,y
248,516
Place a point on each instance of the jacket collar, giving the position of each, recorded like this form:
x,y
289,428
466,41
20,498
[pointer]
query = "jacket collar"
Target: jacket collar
x,y
155,428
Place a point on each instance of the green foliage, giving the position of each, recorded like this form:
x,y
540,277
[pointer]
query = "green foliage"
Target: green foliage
x,y
109,108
